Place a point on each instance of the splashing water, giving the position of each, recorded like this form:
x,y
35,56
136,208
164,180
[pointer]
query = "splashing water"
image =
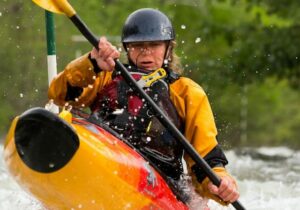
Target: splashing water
x,y
198,39
267,179
51,107
195,202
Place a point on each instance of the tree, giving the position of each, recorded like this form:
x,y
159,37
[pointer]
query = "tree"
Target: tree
x,y
225,45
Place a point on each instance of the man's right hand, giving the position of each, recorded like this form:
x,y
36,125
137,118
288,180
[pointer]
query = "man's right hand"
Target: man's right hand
x,y
106,55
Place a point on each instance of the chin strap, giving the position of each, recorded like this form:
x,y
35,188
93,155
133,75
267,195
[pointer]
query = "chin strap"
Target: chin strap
x,y
167,55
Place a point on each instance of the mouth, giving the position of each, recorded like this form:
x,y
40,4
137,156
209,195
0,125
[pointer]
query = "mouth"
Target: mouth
x,y
146,64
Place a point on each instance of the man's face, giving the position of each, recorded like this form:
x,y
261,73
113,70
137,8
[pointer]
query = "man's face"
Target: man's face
x,y
147,55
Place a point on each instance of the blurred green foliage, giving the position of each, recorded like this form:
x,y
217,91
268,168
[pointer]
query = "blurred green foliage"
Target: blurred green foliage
x,y
245,54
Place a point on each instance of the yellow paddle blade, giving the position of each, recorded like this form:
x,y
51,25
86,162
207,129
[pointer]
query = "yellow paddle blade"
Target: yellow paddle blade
x,y
56,6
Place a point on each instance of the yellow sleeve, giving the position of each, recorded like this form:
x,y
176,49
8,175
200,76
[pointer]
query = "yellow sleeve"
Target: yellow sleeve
x,y
193,107
78,73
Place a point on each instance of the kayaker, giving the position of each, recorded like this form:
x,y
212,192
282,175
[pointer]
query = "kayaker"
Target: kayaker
x,y
92,81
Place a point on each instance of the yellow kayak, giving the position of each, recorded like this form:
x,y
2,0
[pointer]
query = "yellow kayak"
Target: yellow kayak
x,y
70,163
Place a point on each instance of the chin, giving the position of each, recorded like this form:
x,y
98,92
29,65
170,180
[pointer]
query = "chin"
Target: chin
x,y
147,68
150,69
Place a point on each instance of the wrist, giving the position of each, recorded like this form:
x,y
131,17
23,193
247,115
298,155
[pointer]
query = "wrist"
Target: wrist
x,y
95,64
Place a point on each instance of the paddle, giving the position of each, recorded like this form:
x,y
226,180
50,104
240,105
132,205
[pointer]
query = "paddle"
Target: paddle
x,y
63,7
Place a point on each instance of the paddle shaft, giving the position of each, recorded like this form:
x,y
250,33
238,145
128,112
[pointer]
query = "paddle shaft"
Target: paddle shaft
x,y
82,27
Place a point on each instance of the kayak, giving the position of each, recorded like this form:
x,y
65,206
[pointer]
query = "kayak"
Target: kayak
x,y
67,162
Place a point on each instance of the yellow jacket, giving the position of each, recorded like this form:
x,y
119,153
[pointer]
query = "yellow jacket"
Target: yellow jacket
x,y
188,97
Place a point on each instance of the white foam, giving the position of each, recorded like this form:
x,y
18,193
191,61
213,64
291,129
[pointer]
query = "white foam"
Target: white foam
x,y
12,197
263,185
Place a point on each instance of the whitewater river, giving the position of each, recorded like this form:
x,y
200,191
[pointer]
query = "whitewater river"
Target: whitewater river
x,y
269,179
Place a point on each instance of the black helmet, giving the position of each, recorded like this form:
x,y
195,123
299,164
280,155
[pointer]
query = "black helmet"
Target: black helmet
x,y
147,25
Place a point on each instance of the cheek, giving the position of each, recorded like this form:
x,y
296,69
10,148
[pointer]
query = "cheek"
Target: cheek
x,y
132,55
160,55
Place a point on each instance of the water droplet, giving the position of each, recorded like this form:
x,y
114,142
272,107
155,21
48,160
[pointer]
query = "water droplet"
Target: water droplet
x,y
198,39
69,108
183,27
21,95
21,152
49,105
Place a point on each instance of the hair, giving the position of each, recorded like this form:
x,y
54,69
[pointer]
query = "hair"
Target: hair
x,y
174,60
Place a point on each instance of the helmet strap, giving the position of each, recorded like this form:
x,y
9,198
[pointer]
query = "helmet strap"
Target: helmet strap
x,y
167,55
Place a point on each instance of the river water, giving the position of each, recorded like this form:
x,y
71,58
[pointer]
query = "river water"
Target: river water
x,y
268,178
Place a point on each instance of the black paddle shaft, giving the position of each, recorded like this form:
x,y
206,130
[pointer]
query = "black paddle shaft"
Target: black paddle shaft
x,y
82,27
